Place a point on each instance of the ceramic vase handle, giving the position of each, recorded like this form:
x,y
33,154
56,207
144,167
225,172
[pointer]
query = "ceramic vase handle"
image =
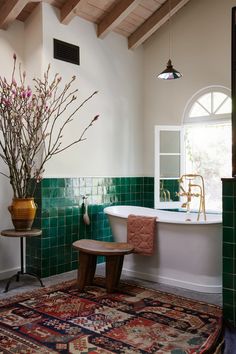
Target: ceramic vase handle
x,y
10,209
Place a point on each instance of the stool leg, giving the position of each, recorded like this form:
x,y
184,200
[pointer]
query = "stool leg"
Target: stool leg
x,y
87,266
92,269
113,271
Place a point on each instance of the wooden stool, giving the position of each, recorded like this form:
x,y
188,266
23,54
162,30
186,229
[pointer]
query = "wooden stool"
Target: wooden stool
x,y
88,252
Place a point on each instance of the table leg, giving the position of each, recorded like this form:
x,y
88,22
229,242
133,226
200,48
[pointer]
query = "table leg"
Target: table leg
x,y
21,271
9,282
22,255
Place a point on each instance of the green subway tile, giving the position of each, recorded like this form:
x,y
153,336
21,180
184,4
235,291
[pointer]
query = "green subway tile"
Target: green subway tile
x,y
53,242
46,193
45,243
52,232
45,183
53,193
45,262
228,250
69,220
228,234
228,188
228,281
228,219
61,221
60,192
53,222
45,273
45,223
69,211
46,253
53,270
228,312
61,182
45,213
118,181
228,203
228,296
228,265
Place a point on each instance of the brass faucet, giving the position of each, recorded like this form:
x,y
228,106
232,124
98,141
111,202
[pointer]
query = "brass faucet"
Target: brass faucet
x,y
190,193
164,193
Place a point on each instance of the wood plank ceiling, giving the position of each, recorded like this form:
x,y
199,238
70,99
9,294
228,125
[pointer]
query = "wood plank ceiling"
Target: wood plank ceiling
x,y
135,19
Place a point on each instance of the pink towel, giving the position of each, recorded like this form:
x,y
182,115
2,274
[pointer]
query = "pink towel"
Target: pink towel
x,y
141,232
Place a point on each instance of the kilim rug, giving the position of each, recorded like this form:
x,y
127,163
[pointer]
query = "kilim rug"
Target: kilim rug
x,y
135,320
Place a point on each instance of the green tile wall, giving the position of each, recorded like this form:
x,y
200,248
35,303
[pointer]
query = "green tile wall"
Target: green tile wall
x,y
60,216
229,249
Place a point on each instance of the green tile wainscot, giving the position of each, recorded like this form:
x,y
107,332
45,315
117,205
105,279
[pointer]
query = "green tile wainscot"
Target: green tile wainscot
x,y
229,249
60,216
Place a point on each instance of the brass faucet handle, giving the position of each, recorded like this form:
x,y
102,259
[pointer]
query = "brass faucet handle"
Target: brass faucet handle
x,y
196,195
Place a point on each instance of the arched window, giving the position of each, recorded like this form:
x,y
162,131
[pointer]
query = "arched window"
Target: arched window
x,y
207,140
209,104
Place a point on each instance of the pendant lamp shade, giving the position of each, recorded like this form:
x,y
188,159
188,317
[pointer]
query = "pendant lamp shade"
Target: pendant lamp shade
x,y
169,73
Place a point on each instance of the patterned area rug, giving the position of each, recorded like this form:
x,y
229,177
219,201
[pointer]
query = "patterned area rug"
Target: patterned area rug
x,y
134,320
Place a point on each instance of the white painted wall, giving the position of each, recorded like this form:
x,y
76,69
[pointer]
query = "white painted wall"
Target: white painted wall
x,y
11,42
114,146
201,51
33,44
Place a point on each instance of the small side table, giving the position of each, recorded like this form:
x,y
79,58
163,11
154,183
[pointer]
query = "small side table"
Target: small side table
x,y
22,235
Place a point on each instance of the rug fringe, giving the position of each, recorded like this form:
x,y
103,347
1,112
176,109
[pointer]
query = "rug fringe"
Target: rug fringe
x,y
219,349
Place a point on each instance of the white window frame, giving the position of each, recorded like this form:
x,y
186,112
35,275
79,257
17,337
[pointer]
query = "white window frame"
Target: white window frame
x,y
157,202
212,117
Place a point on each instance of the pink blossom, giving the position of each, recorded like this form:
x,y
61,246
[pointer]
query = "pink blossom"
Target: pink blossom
x,y
29,92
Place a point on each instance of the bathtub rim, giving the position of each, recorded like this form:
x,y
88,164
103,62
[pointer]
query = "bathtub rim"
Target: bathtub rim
x,y
111,210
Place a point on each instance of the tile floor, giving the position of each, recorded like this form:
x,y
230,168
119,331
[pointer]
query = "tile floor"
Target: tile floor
x,y
28,283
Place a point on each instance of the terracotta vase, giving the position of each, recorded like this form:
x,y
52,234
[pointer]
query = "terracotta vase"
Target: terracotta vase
x,y
23,212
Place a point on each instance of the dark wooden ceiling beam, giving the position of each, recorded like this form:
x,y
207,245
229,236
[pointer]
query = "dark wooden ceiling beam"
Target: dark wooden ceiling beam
x,y
118,13
10,10
155,21
68,10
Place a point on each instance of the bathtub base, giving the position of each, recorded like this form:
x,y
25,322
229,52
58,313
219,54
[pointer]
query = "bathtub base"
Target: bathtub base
x,y
211,289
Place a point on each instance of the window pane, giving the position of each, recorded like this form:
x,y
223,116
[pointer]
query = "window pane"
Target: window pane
x,y
169,166
208,153
218,98
169,141
226,107
198,111
205,101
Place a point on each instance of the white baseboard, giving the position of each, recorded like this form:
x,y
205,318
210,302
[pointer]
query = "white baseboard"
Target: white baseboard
x,y
212,289
8,273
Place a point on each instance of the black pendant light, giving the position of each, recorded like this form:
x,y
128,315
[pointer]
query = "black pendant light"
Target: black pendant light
x,y
169,73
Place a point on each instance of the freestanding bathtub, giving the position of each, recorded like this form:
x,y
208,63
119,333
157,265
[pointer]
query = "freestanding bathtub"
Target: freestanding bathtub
x,y
187,253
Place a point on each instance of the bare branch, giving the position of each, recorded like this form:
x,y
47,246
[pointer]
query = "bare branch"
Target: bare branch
x,y
33,121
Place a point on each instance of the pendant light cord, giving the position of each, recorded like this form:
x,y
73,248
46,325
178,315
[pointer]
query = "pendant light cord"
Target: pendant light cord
x,y
170,33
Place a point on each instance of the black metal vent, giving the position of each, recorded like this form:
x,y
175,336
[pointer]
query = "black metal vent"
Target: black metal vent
x,y
66,51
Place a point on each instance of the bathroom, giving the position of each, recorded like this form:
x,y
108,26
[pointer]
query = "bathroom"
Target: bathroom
x,y
116,163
